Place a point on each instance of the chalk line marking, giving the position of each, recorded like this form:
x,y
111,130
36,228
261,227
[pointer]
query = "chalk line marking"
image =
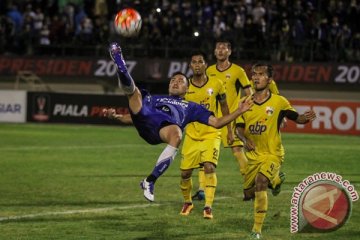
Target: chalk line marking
x,y
94,210
30,148
69,212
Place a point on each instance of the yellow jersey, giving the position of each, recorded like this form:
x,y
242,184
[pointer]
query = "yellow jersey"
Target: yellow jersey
x,y
234,78
206,95
262,125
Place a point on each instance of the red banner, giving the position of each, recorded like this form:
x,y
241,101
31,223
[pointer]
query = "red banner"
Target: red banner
x,y
333,117
81,69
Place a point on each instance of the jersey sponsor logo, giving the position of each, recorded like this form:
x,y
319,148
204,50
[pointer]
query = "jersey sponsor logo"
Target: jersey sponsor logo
x,y
257,128
183,104
269,110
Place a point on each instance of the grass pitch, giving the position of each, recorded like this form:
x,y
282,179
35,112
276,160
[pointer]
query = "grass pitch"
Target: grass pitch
x,y
82,182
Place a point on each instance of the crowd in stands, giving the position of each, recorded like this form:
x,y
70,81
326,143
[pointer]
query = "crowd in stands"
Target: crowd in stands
x,y
282,30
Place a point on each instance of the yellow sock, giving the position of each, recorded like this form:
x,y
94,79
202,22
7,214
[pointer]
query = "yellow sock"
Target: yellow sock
x,y
260,209
201,179
210,187
186,187
242,160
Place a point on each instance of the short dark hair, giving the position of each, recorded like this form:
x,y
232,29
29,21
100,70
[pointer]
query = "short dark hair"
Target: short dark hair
x,y
227,42
269,68
180,73
199,53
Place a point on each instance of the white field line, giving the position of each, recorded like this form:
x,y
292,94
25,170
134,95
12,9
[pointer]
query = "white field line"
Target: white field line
x,y
69,212
90,210
97,210
30,148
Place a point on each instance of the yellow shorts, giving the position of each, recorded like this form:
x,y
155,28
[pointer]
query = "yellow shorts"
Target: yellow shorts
x,y
194,152
268,165
224,134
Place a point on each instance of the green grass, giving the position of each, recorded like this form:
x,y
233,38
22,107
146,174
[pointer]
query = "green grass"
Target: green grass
x,y
82,182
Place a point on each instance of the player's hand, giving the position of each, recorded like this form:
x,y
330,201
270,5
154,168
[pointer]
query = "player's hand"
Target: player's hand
x,y
246,104
109,113
310,115
249,145
230,137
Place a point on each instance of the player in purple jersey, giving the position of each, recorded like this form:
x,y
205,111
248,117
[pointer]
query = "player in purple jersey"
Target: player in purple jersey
x,y
161,119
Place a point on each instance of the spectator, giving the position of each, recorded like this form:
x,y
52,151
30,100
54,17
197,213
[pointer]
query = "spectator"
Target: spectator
x,y
284,37
44,38
16,17
180,18
299,37
344,46
258,12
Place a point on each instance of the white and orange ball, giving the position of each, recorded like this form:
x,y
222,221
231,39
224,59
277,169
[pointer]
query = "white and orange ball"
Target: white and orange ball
x,y
128,22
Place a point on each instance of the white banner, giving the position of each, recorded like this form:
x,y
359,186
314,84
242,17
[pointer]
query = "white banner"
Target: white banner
x,y
333,117
12,106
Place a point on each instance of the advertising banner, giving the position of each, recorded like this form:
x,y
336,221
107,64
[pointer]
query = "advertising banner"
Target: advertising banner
x,y
333,117
72,108
12,106
144,69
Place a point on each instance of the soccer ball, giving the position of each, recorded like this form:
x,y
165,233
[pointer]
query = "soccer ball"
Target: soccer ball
x,y
128,22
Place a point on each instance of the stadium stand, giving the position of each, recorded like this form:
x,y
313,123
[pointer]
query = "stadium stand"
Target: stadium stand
x,y
279,30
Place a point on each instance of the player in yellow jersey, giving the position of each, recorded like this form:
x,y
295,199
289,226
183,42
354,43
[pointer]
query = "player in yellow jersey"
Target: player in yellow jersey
x,y
235,79
201,145
259,129
274,90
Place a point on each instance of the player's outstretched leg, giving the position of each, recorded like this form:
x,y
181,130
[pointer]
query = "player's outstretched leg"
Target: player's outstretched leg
x,y
125,80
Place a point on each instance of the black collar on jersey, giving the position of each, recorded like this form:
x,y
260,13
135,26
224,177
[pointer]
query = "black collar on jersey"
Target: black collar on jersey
x,y
207,80
267,99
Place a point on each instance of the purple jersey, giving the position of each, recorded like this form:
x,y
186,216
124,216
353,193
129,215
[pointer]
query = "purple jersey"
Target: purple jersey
x,y
160,111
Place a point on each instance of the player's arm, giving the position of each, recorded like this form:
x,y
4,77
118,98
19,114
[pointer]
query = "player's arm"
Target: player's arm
x,y
244,106
304,118
248,91
225,111
248,143
111,114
